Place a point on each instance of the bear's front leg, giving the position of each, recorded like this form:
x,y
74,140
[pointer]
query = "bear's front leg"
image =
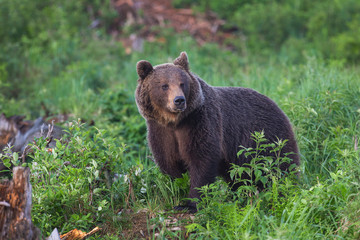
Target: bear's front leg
x,y
201,173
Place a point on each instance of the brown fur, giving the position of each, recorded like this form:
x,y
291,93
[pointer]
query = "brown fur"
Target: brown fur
x,y
203,135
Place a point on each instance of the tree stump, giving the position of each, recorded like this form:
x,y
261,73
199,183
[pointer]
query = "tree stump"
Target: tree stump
x,y
15,207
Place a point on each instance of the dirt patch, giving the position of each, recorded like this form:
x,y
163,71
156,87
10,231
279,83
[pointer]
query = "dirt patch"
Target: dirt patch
x,y
146,225
146,14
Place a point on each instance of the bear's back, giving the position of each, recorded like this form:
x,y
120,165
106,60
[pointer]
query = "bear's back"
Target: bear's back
x,y
245,111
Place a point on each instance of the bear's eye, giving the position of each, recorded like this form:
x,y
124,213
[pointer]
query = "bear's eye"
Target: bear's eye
x,y
182,85
165,87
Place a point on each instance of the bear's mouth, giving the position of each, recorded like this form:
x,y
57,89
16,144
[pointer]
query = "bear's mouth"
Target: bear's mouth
x,y
178,109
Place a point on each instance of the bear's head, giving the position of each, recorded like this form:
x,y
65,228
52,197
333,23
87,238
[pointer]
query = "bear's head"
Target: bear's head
x,y
167,92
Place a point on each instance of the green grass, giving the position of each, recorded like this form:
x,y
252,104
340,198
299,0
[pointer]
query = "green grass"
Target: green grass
x,y
320,98
102,170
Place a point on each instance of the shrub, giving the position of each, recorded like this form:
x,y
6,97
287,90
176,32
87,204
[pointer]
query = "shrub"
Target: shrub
x,y
72,183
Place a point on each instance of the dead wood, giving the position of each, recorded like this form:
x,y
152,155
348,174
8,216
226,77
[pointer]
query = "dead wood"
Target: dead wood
x,y
15,207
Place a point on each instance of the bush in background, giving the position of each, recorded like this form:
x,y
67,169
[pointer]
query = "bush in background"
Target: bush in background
x,y
328,27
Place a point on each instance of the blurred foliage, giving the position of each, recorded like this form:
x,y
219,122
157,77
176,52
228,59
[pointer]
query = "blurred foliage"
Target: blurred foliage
x,y
40,38
119,114
330,27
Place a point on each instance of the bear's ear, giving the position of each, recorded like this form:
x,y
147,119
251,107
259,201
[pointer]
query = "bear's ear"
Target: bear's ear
x,y
143,69
182,61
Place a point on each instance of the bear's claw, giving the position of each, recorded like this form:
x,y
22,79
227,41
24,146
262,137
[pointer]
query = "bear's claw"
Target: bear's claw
x,y
189,209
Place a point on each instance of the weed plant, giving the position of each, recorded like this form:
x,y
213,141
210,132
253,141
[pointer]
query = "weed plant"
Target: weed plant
x,y
283,209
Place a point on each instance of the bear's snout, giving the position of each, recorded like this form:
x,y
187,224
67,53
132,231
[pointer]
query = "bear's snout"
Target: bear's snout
x,y
180,102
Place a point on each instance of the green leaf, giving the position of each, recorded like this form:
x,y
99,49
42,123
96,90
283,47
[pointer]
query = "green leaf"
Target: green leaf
x,y
15,157
6,162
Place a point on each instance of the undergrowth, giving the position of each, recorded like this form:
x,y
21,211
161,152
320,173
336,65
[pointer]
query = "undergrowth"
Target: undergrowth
x,y
285,209
72,183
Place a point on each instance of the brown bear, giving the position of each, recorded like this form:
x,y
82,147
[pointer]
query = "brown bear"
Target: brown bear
x,y
198,128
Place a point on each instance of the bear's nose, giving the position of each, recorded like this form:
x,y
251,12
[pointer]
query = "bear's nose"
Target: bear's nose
x,y
179,101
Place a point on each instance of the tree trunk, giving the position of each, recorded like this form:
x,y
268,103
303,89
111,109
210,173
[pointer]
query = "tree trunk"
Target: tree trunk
x,y
15,207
